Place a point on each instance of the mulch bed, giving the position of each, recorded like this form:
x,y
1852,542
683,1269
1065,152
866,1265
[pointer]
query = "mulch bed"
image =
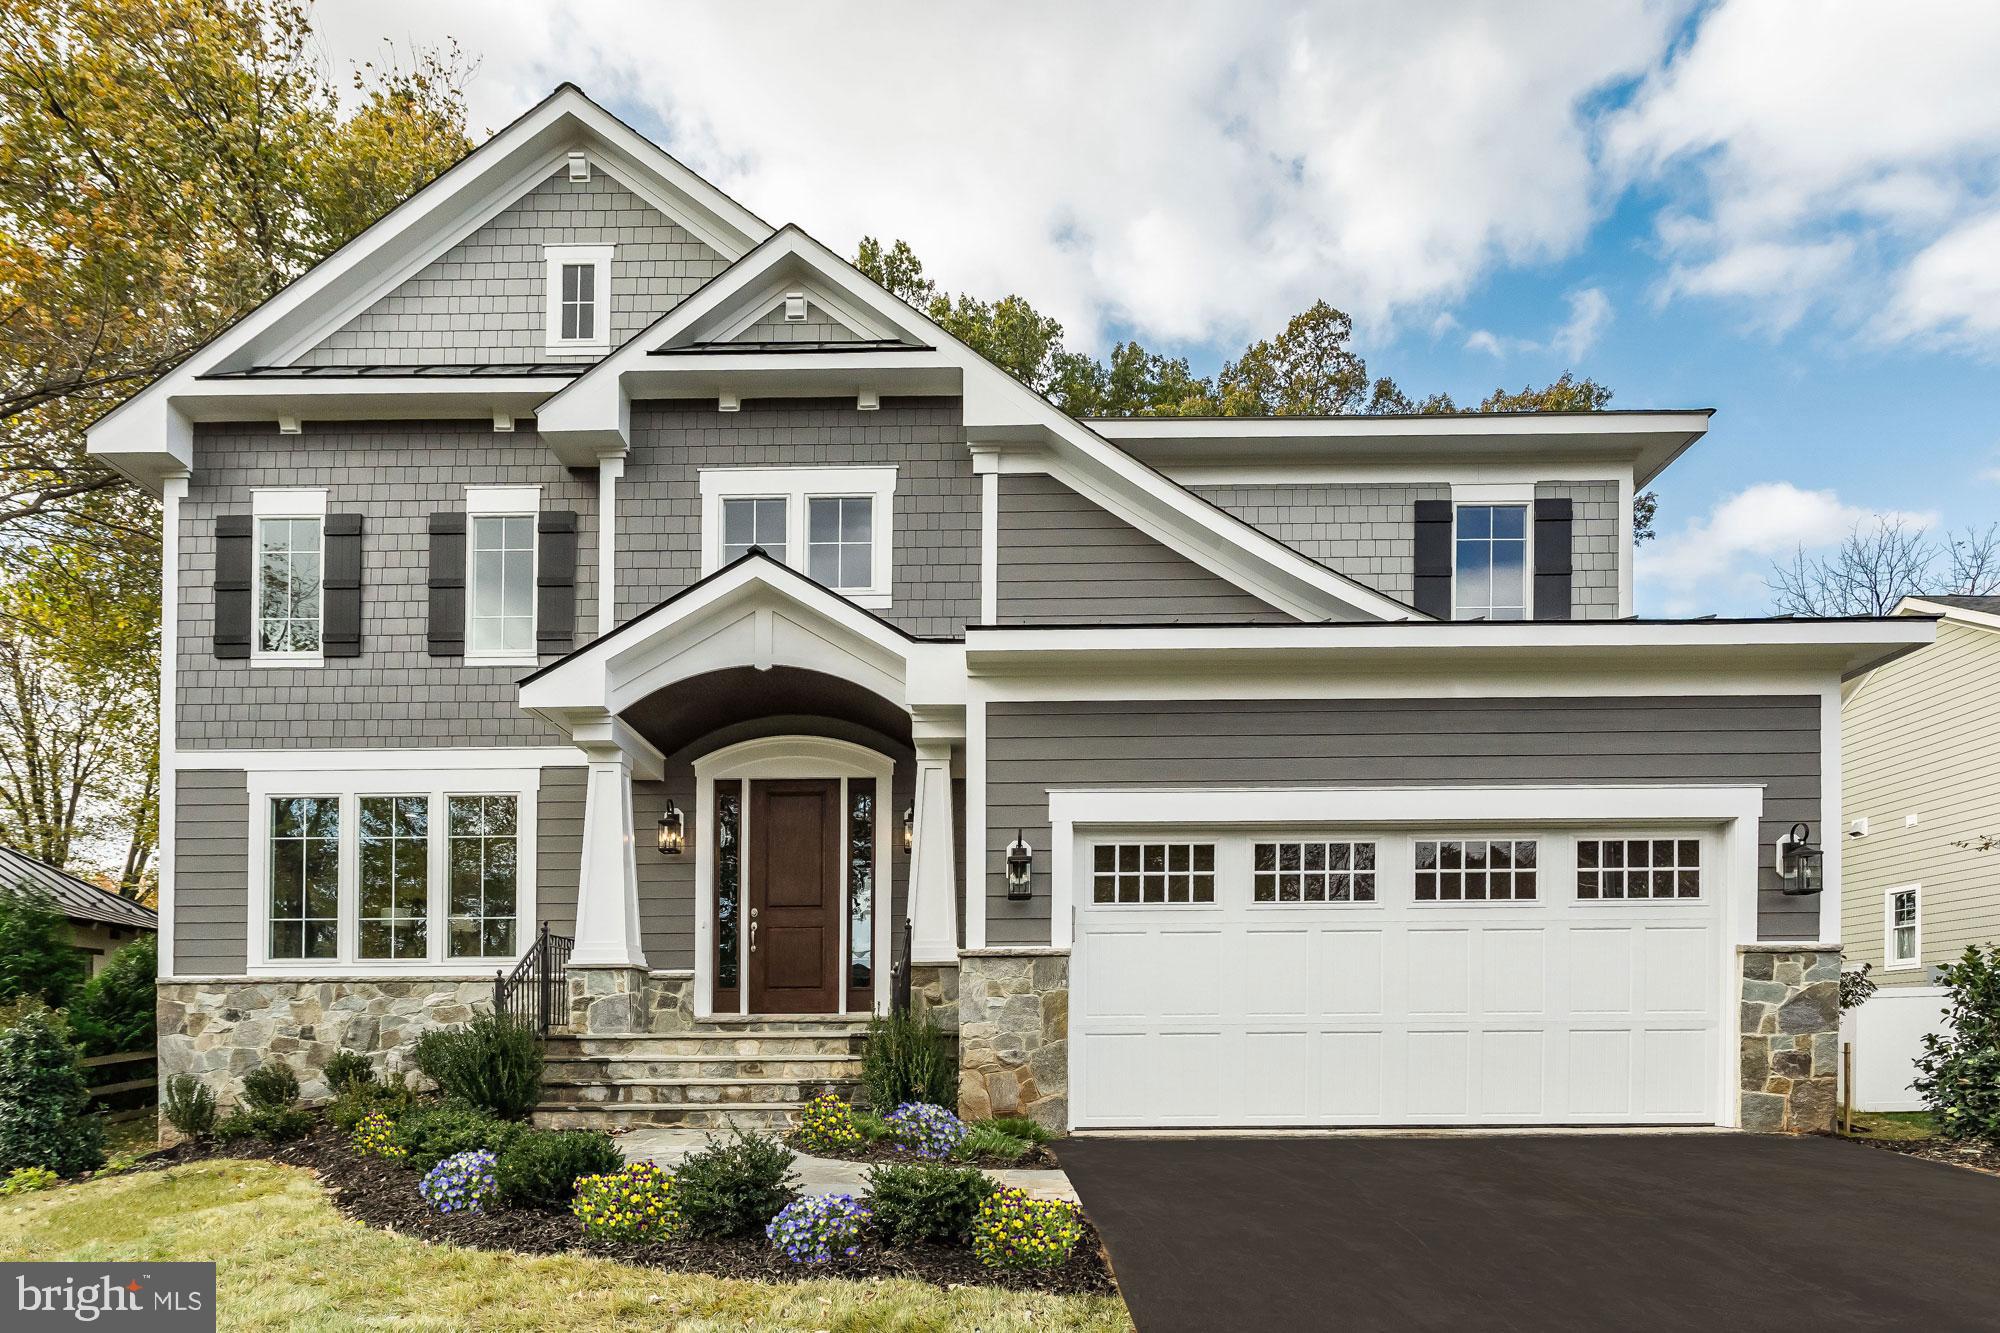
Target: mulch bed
x,y
384,1194
1978,1156
1037,1158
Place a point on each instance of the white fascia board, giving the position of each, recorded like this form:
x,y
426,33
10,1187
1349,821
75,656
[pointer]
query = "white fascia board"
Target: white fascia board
x,y
1579,804
1920,606
147,437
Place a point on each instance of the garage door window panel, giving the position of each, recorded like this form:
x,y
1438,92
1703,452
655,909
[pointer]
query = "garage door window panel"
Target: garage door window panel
x,y
1633,867
1312,871
1475,870
1152,873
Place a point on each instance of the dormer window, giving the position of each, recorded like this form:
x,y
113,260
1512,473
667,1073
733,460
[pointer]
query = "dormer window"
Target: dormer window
x,y
579,299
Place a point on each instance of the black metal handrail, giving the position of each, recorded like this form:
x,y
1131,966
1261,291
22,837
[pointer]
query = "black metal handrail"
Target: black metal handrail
x,y
537,990
899,974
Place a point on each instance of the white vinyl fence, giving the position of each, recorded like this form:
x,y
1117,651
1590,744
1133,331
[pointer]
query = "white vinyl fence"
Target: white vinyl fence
x,y
1887,1033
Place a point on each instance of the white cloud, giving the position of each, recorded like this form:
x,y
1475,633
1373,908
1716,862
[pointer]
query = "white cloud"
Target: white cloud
x,y
1198,180
1826,157
1718,563
1589,315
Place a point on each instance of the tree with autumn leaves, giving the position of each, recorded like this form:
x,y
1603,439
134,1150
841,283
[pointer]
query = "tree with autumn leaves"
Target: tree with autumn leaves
x,y
165,167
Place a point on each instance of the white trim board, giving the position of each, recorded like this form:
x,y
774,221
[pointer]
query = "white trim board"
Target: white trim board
x,y
397,760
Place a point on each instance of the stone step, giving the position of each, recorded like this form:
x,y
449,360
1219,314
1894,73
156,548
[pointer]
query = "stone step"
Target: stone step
x,y
794,1043
690,1091
768,1116
623,1068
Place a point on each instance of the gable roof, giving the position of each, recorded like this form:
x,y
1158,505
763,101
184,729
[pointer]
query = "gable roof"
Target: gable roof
x,y
74,898
592,415
149,436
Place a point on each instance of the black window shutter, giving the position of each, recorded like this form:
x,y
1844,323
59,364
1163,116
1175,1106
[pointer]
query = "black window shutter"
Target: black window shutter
x,y
234,554
447,584
1552,559
1433,558
340,588
555,582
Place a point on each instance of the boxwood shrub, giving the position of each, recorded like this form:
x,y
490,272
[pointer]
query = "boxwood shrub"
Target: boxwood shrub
x,y
540,1167
928,1202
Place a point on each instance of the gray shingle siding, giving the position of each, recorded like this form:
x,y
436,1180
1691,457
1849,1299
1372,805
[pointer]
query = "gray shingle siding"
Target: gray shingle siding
x,y
1032,747
1063,559
1593,543
1366,531
817,327
935,585
485,299
211,872
394,694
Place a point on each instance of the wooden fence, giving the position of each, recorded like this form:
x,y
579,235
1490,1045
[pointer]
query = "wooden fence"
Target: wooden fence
x,y
125,1085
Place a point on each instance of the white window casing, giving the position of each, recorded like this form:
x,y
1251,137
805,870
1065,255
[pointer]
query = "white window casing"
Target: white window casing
x,y
293,521
347,788
1902,928
590,335
502,561
794,490
1494,495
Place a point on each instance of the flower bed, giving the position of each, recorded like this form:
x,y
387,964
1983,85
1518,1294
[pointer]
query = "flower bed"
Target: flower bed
x,y
384,1193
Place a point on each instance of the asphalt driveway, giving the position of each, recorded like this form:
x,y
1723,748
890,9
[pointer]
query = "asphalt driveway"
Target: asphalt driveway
x,y
1547,1232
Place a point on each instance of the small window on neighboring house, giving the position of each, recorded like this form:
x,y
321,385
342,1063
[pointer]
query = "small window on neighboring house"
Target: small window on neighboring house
x,y
749,521
1490,563
579,299
1905,941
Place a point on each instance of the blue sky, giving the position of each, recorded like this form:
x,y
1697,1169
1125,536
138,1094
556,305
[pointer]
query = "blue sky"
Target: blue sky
x,y
1789,213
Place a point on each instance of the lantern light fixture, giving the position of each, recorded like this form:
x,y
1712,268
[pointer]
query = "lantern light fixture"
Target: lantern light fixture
x,y
1800,862
673,831
1020,868
909,828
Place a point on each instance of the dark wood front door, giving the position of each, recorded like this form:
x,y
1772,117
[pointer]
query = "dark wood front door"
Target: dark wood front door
x,y
795,899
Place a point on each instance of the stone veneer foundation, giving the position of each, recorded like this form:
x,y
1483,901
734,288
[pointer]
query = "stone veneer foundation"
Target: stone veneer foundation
x,y
1790,1038
934,991
1013,1034
613,1001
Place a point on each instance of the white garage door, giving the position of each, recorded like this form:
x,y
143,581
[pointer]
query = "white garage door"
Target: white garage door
x,y
1349,977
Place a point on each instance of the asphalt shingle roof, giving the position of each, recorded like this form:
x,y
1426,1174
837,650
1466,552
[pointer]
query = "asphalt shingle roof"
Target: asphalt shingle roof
x,y
74,897
1988,605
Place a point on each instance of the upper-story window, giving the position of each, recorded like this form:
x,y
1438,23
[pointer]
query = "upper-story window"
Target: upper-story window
x,y
500,574
831,524
1490,562
1902,928
579,299
290,561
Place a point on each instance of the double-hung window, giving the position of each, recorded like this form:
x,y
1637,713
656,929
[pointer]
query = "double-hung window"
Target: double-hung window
x,y
834,525
1902,928
500,574
287,602
396,870
1490,562
579,299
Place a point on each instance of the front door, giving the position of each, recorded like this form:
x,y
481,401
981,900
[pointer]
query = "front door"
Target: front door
x,y
794,896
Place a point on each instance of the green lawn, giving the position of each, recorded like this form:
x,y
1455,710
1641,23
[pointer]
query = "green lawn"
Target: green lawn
x,y
1894,1125
288,1260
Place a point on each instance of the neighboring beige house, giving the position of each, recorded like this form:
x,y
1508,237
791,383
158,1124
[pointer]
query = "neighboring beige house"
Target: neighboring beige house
x,y
100,922
1920,757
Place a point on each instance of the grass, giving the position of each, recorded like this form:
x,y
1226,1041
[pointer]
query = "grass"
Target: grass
x,y
1894,1125
287,1260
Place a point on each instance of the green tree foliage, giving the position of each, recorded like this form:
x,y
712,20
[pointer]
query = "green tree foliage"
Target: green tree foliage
x,y
114,1012
44,1120
36,956
1958,1075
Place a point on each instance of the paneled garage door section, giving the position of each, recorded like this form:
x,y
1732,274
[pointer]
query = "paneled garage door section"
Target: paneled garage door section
x,y
1348,977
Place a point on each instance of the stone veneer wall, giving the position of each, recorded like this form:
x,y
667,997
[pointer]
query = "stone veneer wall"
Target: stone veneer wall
x,y
1790,1038
221,1030
934,991
1013,1034
608,1001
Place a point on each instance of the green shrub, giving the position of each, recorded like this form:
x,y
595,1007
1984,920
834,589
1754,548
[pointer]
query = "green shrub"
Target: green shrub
x,y
375,1136
873,1127
44,1101
541,1167
271,1087
734,1187
635,1202
1021,1128
115,1011
493,1062
430,1134
926,1202
1958,1075
346,1069
986,1139
357,1101
36,957
189,1105
274,1124
909,1059
28,1179
827,1126
1015,1231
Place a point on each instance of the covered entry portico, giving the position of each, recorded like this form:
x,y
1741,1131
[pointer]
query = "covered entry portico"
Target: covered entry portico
x,y
793,733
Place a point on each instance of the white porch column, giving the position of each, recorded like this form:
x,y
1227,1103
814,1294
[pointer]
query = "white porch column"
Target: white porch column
x,y
933,866
607,888
610,467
